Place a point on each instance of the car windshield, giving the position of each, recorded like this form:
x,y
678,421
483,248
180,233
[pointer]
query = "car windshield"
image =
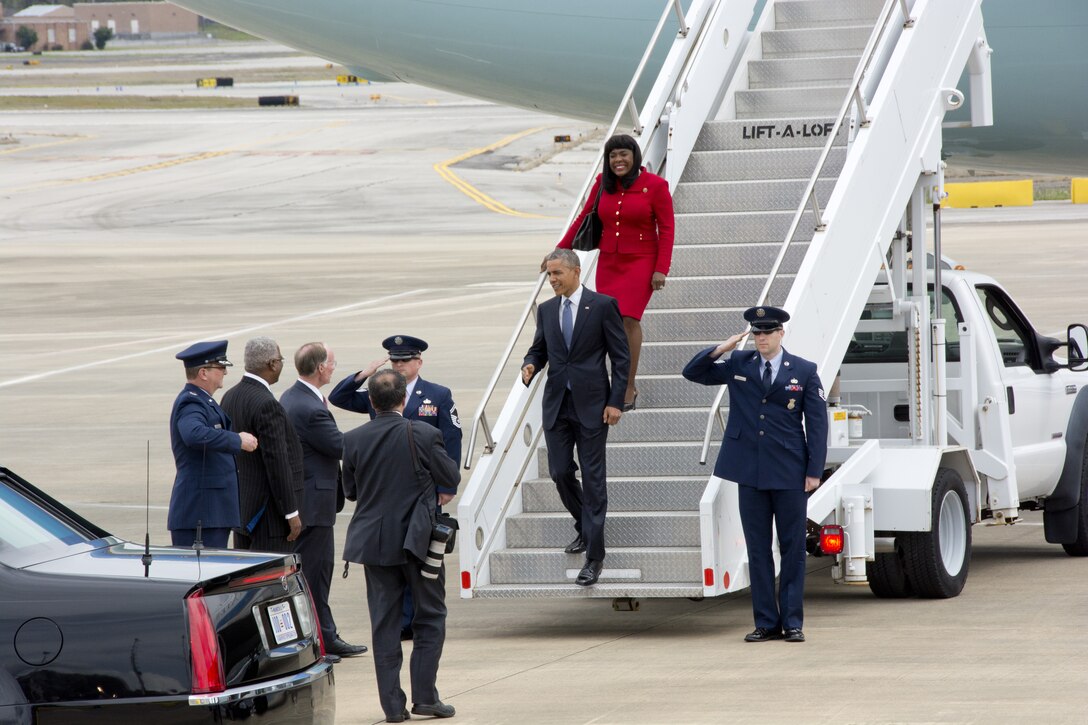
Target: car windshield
x,y
28,532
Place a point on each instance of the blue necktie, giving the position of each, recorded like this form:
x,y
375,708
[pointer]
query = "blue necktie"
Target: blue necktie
x,y
568,322
767,376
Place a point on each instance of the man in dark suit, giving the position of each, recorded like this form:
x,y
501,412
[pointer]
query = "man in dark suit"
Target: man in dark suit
x,y
425,401
204,500
322,496
574,332
269,479
776,461
386,536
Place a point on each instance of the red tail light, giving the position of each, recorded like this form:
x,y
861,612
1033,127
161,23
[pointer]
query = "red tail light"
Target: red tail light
x,y
207,665
317,622
832,539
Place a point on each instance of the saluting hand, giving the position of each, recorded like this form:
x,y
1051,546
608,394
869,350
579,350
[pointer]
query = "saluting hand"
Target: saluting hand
x,y
612,415
249,442
371,369
527,373
727,345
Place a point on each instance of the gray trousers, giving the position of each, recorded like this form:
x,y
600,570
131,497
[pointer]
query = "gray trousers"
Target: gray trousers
x,y
385,587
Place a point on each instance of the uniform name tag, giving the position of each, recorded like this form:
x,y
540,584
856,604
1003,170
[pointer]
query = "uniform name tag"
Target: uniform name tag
x,y
740,378
217,426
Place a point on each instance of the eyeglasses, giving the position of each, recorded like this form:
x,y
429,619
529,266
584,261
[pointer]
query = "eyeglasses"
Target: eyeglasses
x,y
765,332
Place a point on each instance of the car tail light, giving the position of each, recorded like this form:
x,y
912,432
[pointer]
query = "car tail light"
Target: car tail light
x,y
832,539
207,665
317,622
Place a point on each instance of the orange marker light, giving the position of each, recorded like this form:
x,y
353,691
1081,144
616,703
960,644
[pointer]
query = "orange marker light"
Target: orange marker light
x,y
832,539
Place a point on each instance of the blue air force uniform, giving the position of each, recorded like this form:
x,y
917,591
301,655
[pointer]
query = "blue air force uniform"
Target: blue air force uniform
x,y
206,485
767,451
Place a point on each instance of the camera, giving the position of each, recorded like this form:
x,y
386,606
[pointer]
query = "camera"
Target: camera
x,y
432,566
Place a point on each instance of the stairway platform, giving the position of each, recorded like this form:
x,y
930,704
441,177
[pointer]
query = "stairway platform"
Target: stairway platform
x,y
666,493
630,565
602,590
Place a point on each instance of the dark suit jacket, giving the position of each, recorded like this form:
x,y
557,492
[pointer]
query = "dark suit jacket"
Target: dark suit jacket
x,y
598,330
322,448
270,476
380,477
431,403
765,445
206,486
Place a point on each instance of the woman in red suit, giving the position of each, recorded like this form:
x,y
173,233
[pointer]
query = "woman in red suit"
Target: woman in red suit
x,y
636,245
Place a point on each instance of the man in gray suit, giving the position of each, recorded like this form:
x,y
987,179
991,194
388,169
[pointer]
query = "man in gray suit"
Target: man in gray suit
x,y
322,497
380,475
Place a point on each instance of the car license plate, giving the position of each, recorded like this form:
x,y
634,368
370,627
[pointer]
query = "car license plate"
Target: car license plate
x,y
283,623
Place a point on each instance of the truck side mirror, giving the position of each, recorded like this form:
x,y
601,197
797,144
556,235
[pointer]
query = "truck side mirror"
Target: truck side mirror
x,y
1078,347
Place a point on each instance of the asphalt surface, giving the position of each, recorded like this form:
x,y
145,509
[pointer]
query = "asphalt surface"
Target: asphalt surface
x,y
127,235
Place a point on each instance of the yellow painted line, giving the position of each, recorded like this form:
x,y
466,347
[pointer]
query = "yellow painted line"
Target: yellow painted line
x,y
989,194
475,194
44,145
1078,191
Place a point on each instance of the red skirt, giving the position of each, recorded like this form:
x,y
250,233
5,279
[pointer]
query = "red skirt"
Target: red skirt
x,y
628,278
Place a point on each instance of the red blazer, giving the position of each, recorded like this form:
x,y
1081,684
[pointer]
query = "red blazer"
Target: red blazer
x,y
636,221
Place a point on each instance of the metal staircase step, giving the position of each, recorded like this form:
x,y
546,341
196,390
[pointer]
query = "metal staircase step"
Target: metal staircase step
x,y
624,528
624,494
767,133
672,391
790,102
718,196
669,358
734,259
629,460
796,163
742,227
683,325
659,424
602,590
815,42
791,14
550,566
686,292
801,72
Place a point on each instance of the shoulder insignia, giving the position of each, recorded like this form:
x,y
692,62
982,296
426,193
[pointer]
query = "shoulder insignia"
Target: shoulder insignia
x,y
453,416
823,396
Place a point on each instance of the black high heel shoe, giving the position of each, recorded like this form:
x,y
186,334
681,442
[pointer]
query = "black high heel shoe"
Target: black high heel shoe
x,y
628,407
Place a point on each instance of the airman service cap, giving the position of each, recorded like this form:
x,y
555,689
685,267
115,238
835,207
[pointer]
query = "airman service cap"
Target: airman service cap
x,y
403,347
766,318
205,353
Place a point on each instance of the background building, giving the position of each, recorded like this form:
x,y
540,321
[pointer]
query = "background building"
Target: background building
x,y
139,20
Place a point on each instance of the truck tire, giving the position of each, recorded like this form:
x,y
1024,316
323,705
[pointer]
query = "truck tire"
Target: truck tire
x,y
1080,546
888,577
936,561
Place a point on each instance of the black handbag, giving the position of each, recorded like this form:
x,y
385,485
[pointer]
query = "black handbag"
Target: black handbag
x,y
588,236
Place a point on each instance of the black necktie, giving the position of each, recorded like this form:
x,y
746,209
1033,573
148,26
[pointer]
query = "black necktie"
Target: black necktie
x,y
767,377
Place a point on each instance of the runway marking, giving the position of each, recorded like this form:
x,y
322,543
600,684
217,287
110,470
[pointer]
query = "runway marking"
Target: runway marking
x,y
78,137
475,194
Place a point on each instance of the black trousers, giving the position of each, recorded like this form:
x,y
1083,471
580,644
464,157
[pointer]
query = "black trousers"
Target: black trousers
x,y
318,550
211,538
385,587
587,502
761,512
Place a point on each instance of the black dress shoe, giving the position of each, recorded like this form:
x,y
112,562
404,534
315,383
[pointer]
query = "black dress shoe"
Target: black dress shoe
x,y
407,634
762,634
343,649
401,717
590,573
577,546
331,658
795,634
438,709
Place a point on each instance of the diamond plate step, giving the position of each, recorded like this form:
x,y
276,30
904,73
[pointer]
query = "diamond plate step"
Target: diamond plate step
x,y
602,590
673,392
659,424
742,227
624,494
670,358
631,460
735,259
631,565
624,528
768,133
815,42
792,14
684,325
790,102
718,196
760,164
802,72
686,292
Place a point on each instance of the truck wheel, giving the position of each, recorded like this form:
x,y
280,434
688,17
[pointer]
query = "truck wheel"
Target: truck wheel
x,y
1080,546
888,577
936,561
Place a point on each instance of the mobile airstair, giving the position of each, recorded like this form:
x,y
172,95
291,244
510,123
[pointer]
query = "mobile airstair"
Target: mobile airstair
x,y
793,149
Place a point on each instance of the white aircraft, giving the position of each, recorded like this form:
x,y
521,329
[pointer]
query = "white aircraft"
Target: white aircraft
x,y
575,58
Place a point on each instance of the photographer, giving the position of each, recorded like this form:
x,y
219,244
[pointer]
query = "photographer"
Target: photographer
x,y
391,468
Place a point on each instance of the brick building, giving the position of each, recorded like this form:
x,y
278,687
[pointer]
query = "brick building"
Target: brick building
x,y
56,25
139,20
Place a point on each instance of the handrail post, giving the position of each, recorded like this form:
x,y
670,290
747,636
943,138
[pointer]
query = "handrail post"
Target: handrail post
x,y
908,21
684,27
632,108
863,109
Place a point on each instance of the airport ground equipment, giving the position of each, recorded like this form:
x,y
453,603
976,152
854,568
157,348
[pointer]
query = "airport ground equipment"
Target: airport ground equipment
x,y
802,142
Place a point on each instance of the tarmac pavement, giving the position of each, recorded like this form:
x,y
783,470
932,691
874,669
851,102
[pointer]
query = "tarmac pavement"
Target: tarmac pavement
x,y
126,235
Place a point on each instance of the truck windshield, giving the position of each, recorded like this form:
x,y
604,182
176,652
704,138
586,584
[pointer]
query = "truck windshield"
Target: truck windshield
x,y
891,347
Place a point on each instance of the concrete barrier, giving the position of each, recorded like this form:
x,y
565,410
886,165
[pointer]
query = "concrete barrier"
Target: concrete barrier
x,y
989,194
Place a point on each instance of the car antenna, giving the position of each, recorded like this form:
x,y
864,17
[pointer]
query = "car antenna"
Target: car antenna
x,y
146,558
198,543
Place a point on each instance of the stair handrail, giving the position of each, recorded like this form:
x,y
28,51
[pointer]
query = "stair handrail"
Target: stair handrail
x,y
627,105
853,96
